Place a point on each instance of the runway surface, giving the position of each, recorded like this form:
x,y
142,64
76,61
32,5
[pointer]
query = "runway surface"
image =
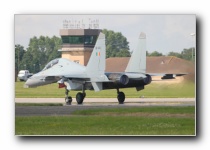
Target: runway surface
x,y
92,103
107,100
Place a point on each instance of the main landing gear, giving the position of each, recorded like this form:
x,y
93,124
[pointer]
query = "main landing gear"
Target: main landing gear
x,y
120,97
79,97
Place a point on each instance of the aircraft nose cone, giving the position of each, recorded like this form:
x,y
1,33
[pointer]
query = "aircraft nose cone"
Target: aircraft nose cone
x,y
32,82
29,83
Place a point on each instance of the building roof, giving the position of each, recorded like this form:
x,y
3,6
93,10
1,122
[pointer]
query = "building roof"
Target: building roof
x,y
159,64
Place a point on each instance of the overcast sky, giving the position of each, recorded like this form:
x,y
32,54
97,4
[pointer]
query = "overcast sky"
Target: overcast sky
x,y
164,33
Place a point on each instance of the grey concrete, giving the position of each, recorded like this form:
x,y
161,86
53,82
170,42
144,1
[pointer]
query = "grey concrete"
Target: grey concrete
x,y
107,100
93,103
53,110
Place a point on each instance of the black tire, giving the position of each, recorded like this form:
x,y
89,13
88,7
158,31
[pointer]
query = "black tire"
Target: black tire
x,y
121,97
68,100
84,95
80,98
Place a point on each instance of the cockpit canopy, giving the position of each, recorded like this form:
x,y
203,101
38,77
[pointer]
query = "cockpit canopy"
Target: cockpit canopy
x,y
51,63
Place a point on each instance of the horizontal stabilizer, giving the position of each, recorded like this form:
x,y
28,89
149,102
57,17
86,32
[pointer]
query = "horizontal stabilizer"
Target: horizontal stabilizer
x,y
167,74
181,74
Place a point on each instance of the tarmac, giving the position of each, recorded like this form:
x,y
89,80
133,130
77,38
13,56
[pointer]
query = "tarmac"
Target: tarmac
x,y
92,103
112,101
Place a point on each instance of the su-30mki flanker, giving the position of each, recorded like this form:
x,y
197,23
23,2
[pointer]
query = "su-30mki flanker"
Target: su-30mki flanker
x,y
73,76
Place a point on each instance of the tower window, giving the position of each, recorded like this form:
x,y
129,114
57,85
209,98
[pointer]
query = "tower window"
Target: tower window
x,y
86,40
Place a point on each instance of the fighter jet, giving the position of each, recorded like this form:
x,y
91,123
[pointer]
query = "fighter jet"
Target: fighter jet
x,y
73,76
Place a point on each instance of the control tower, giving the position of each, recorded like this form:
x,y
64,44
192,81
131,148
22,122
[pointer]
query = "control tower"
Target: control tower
x,y
78,44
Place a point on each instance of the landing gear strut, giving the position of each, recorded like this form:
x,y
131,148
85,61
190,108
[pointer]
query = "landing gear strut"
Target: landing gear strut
x,y
120,97
68,99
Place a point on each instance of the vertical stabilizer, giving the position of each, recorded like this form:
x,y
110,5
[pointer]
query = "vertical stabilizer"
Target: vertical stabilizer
x,y
96,65
137,62
96,62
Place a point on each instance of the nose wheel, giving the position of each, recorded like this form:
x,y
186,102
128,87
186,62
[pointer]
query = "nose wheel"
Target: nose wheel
x,y
68,100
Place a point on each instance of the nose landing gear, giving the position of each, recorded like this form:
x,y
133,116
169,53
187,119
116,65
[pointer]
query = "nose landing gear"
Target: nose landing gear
x,y
68,99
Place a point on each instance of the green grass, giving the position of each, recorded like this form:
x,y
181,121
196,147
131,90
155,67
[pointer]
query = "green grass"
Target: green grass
x,y
122,121
149,109
38,104
175,90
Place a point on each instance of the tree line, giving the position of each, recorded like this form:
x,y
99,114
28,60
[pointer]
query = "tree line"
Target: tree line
x,y
187,54
43,49
40,51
